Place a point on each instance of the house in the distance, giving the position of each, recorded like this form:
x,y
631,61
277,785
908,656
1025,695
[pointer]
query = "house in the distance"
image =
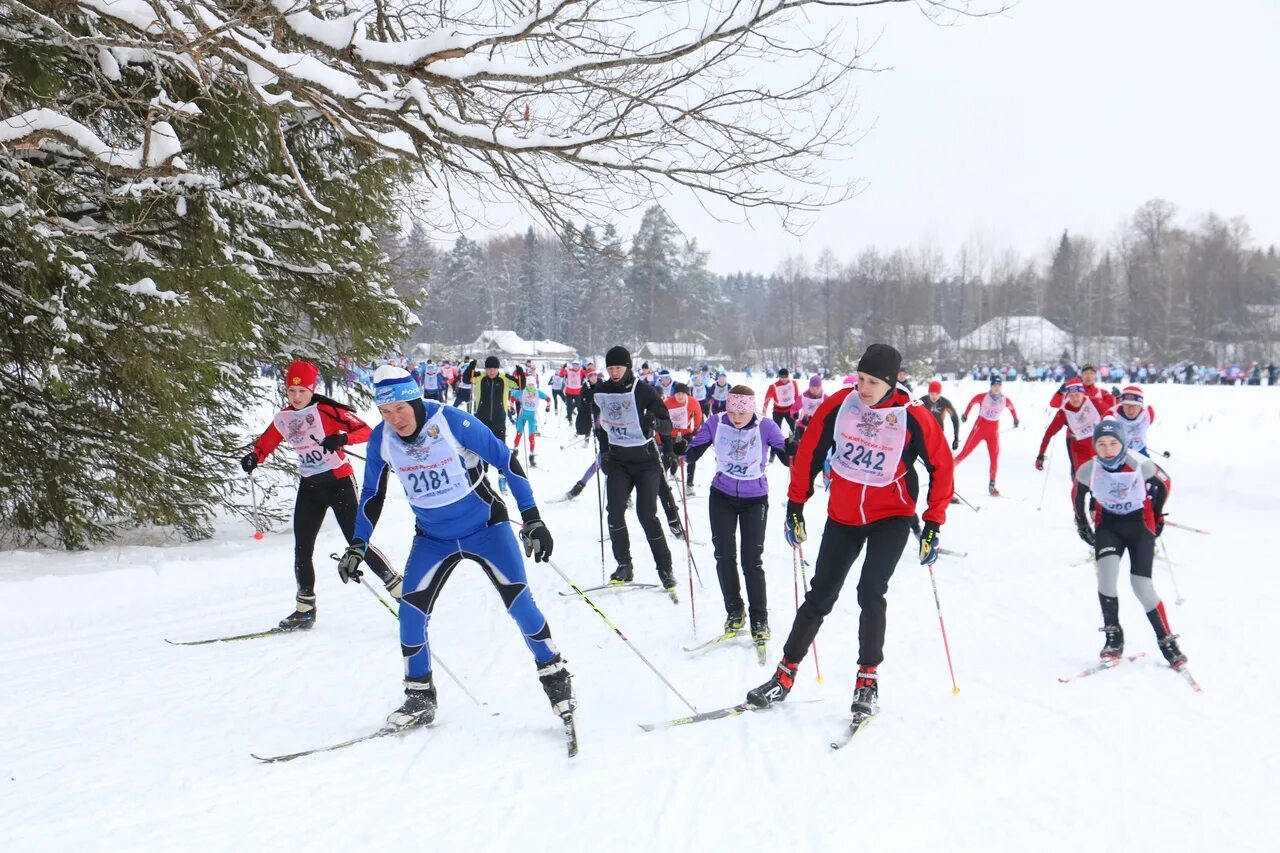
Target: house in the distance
x,y
513,349
672,354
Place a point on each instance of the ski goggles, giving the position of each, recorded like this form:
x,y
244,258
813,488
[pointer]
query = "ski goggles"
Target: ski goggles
x,y
742,404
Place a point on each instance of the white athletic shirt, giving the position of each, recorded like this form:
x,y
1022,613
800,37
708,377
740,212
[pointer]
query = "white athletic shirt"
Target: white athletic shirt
x,y
1119,492
869,442
1081,423
738,453
992,407
620,418
430,467
304,431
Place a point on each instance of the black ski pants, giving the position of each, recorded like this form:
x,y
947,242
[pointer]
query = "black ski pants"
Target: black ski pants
x,y
841,545
645,476
790,419
728,515
316,496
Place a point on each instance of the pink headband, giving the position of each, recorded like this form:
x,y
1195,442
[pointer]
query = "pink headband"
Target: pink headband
x,y
742,404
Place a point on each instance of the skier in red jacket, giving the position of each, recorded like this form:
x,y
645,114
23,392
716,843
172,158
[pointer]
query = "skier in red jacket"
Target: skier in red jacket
x,y
317,428
785,397
875,432
1079,414
987,428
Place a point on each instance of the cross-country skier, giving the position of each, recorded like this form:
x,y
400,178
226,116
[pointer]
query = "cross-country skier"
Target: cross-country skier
x,y
574,377
1129,494
784,396
317,428
493,389
457,517
1135,418
991,406
665,381
462,390
433,383
720,393
1095,392
877,432
557,388
698,390
938,406
1080,414
810,400
528,396
629,414
739,498
686,419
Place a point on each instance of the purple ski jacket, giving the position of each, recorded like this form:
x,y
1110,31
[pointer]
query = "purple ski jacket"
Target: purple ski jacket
x,y
770,436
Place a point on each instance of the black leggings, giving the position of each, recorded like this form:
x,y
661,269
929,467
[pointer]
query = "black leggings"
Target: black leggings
x,y
727,515
841,543
316,495
556,396
644,476
779,417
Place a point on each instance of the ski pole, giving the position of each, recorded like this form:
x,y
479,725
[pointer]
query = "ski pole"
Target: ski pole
x,y
253,495
1048,465
1162,453
684,500
693,607
955,688
798,551
1168,523
600,515
574,443
435,658
622,636
965,502
1169,565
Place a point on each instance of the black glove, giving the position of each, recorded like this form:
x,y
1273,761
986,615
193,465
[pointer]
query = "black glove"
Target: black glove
x,y
349,564
1159,525
249,461
333,442
1040,462
669,460
680,446
793,525
790,446
535,536
1016,423
955,443
929,544
964,419
1085,532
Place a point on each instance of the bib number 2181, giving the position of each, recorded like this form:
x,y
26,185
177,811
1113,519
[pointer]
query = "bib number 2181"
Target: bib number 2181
x,y
428,481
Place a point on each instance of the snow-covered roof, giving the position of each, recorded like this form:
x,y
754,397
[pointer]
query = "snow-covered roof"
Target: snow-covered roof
x,y
672,349
507,342
1035,337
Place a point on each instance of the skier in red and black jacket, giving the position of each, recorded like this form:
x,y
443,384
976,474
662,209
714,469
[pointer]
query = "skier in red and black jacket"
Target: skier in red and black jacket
x,y
874,432
317,428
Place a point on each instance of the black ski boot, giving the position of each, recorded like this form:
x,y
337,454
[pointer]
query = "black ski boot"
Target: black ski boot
x,y
735,622
776,688
667,578
303,616
1173,654
866,692
622,575
419,708
558,685
533,460
677,529
1113,648
760,630
575,491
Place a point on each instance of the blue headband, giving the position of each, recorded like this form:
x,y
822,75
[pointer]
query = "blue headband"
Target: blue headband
x,y
400,390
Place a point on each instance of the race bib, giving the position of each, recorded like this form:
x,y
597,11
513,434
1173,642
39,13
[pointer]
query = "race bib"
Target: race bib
x,y
1081,423
1135,431
304,431
1119,492
720,392
809,405
430,467
431,382
573,379
620,418
738,452
992,407
786,395
869,442
699,391
529,399
679,417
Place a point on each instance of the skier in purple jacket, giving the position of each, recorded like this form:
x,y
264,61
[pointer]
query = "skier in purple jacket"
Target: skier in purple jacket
x,y
740,496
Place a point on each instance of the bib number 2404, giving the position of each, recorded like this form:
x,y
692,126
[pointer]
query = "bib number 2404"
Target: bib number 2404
x,y
856,454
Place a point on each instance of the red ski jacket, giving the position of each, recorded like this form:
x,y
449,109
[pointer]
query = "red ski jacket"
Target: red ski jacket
x,y
333,419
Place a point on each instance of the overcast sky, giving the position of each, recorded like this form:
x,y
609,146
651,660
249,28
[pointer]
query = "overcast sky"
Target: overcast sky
x,y
1058,114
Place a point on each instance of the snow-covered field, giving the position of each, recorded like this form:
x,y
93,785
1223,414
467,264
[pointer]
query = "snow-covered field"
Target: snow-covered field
x,y
111,739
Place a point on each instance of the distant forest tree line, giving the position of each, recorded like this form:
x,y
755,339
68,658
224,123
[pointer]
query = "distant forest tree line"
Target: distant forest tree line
x,y
1158,289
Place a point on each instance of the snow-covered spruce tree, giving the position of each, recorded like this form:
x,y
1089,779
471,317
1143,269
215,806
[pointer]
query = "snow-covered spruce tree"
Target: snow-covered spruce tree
x,y
159,235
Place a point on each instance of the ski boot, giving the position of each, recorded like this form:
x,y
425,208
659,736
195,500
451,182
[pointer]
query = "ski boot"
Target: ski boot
x,y
304,615
622,575
667,578
955,501
1173,654
558,685
735,622
677,529
992,490
1113,648
575,491
776,688
533,461
760,631
866,692
419,708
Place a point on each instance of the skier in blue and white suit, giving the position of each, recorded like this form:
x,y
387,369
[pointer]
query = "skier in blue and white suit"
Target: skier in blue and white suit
x,y
435,451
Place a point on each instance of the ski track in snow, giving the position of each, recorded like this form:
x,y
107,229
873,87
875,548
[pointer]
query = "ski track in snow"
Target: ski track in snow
x,y
114,740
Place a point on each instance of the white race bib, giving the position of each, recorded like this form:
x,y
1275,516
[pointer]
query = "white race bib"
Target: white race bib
x,y
430,467
720,392
1135,431
529,399
869,442
679,417
786,395
992,407
1119,492
620,418
431,382
1081,423
573,379
809,405
738,453
304,431
699,390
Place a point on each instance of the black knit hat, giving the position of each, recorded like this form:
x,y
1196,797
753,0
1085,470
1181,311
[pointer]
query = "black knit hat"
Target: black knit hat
x,y
492,361
783,373
881,361
617,357
679,388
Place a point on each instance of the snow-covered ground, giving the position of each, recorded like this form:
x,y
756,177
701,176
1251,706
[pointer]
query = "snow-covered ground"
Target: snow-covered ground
x,y
111,739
